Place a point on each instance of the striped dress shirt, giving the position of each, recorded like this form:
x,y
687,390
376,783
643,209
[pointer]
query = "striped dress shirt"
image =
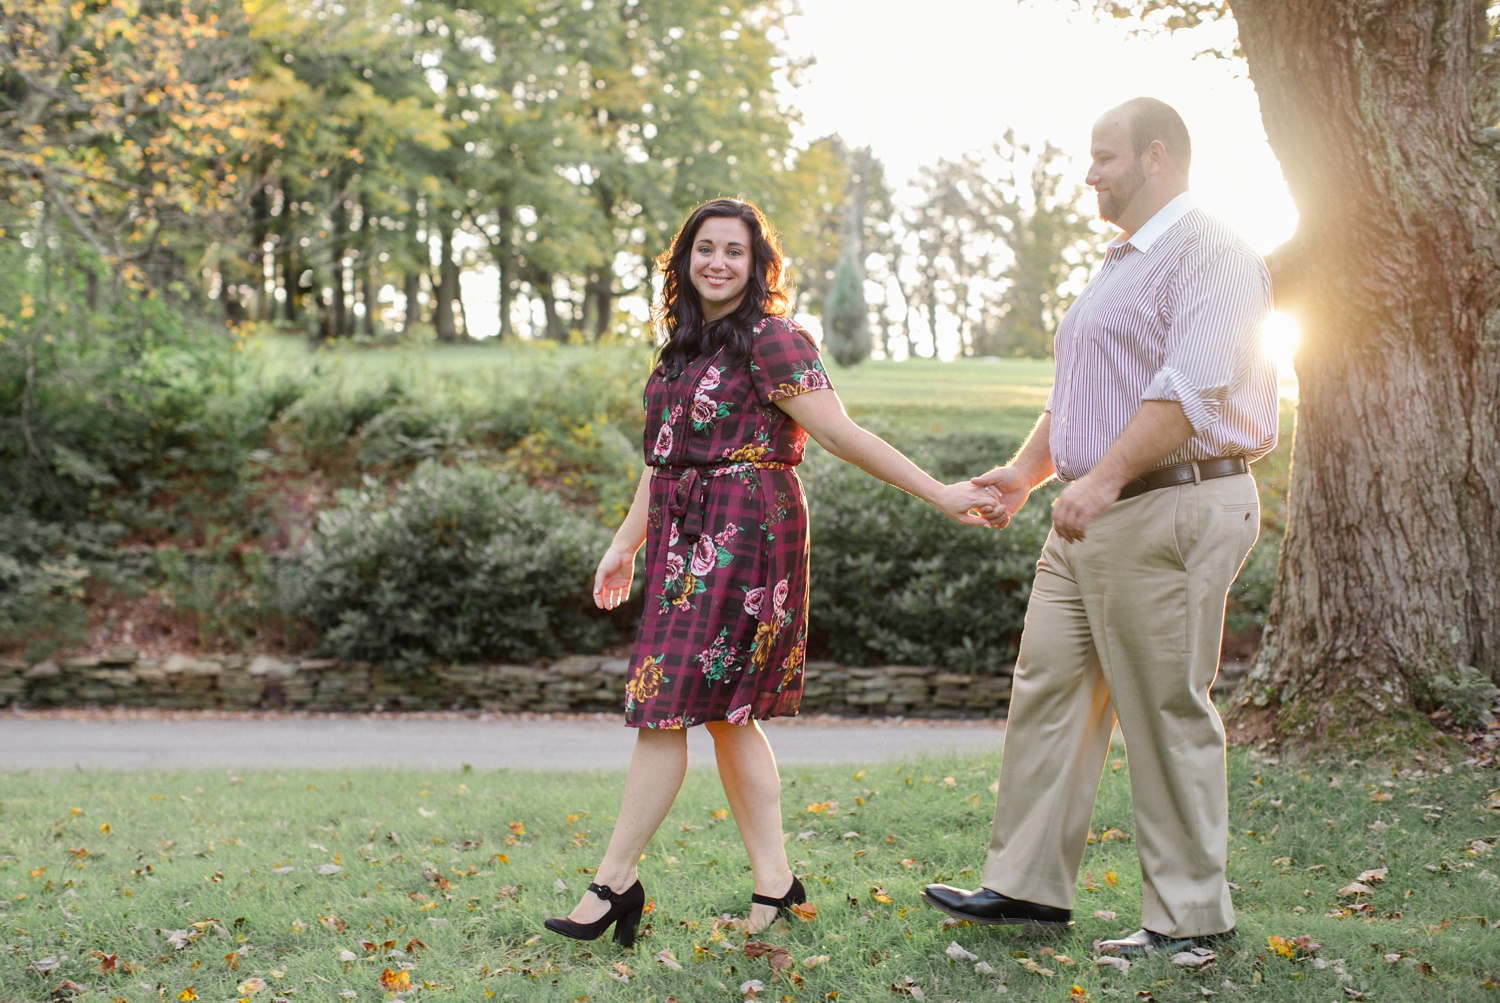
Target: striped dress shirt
x,y
1174,313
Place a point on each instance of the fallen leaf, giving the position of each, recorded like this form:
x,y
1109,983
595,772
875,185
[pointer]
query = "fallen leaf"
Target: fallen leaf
x,y
984,968
805,911
1105,914
187,995
558,884
1110,961
347,956
1374,875
1077,994
1356,888
1036,969
751,988
879,895
329,868
815,960
1281,946
907,986
957,953
778,957
250,986
1111,878
41,966
619,971
1306,945
668,960
1196,958
1390,958
517,829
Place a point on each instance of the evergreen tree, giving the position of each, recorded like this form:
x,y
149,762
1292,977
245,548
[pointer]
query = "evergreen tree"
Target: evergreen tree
x,y
846,315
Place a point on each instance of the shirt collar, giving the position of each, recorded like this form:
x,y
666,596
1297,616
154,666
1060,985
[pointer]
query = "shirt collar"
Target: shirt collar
x,y
1159,224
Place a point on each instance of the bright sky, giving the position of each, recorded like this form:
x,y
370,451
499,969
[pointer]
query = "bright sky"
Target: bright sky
x,y
918,80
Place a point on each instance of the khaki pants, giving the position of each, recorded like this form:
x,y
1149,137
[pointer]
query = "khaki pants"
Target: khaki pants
x,y
1127,622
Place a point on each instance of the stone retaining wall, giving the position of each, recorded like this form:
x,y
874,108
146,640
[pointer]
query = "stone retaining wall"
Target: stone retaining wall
x,y
121,677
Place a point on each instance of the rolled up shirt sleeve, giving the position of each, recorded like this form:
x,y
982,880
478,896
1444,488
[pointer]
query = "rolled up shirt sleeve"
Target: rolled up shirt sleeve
x,y
1214,311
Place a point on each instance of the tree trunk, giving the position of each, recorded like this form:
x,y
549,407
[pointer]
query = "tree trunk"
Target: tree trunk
x,y
367,294
339,324
411,288
1389,582
505,263
447,287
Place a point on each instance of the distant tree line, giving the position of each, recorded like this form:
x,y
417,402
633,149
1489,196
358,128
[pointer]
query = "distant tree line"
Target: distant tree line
x,y
336,166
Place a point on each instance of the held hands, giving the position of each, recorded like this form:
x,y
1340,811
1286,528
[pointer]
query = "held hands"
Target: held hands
x,y
1010,487
964,502
612,580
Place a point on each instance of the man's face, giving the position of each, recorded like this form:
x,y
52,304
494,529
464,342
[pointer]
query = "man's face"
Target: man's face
x,y
1116,174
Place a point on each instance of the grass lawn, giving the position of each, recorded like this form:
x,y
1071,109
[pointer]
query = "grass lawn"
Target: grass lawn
x,y
181,885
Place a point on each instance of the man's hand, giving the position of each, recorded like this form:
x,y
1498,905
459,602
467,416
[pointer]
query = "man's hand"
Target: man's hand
x,y
1078,504
1013,488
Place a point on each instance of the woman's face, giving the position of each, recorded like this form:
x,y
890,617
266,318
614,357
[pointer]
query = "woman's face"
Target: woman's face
x,y
719,264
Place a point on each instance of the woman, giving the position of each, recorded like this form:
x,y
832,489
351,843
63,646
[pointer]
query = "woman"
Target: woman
x,y
737,389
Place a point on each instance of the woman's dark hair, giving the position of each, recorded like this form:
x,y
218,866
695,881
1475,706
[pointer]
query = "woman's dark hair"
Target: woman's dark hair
x,y
678,315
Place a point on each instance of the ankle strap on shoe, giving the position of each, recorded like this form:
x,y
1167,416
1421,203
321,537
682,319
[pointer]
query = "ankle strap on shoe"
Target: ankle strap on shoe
x,y
607,894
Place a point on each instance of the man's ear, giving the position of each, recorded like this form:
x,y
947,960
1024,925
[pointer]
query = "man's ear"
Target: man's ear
x,y
1156,157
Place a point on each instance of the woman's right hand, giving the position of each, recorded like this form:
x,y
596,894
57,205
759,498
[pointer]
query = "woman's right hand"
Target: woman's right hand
x,y
612,580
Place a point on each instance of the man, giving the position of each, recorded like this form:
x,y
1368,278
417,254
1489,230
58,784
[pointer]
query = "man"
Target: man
x,y
1162,398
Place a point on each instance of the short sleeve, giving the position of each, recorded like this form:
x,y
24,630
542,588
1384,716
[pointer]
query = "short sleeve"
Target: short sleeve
x,y
784,361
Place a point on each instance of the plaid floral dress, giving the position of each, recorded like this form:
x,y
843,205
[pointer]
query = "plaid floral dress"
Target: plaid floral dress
x,y
725,629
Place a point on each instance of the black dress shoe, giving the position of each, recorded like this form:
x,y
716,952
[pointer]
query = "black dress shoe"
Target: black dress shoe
x,y
985,906
1144,942
624,914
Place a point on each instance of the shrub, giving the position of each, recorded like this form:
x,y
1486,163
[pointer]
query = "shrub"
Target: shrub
x,y
45,571
894,581
457,564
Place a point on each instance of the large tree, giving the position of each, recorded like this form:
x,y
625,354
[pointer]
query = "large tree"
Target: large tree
x,y
1388,594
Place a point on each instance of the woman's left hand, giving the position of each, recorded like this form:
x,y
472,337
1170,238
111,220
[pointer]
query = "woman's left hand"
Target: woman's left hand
x,y
971,505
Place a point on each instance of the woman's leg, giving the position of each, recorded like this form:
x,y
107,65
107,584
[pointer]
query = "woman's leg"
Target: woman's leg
x,y
747,768
657,768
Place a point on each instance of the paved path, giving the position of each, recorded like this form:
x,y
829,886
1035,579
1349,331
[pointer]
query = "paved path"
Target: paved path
x,y
157,740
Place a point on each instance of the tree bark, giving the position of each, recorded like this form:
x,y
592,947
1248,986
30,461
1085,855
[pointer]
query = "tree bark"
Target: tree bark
x,y
338,326
447,287
1389,581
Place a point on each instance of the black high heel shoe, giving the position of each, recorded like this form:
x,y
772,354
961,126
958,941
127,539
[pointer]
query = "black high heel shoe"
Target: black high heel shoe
x,y
795,895
624,912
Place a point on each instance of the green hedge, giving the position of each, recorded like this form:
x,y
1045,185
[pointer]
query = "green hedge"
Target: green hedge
x,y
894,581
457,564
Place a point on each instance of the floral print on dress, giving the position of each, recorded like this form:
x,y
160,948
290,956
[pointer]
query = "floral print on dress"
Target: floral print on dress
x,y
663,447
644,683
718,661
726,543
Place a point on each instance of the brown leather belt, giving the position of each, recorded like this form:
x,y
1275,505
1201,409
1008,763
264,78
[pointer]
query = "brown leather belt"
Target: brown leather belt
x,y
1185,473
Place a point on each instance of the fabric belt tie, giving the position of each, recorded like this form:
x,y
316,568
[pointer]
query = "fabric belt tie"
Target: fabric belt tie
x,y
1191,472
688,501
